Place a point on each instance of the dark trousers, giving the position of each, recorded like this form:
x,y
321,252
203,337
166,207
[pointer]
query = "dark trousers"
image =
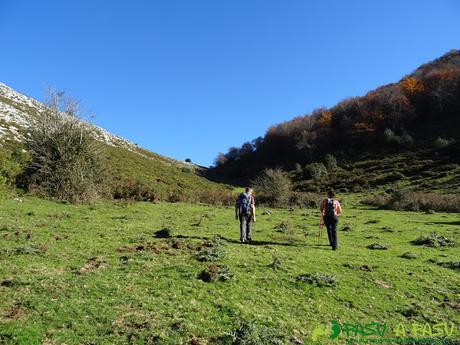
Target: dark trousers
x,y
331,225
245,227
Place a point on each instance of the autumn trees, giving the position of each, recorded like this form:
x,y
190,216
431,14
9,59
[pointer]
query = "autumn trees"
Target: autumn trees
x,y
384,116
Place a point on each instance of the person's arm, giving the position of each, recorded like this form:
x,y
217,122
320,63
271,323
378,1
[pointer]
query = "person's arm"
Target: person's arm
x,y
237,211
253,207
338,208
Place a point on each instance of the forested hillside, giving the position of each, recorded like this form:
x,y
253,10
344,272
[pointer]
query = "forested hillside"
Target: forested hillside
x,y
406,132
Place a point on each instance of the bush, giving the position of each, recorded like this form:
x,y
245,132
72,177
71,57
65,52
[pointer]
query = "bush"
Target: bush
x,y
12,163
274,186
304,200
441,143
315,170
330,162
403,140
65,162
133,190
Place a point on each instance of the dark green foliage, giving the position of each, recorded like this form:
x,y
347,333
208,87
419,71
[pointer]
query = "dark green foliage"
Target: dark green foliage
x,y
330,162
433,240
318,279
315,170
441,143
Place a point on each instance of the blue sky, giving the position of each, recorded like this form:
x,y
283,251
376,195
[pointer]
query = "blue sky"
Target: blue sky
x,y
190,78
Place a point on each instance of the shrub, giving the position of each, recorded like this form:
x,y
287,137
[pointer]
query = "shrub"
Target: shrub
x,y
304,200
330,162
65,162
131,189
274,186
315,170
441,143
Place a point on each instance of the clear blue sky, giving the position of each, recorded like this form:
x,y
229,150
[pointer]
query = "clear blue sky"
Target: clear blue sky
x,y
190,78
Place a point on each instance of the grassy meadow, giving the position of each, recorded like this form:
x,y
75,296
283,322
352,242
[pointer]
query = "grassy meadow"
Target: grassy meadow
x,y
102,274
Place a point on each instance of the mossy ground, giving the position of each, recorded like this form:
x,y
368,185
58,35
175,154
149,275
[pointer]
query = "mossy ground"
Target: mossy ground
x,y
98,275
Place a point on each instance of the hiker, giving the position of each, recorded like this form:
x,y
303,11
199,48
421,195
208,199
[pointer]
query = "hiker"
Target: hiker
x,y
245,211
330,212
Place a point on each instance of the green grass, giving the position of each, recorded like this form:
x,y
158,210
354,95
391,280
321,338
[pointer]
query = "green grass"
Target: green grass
x,y
98,275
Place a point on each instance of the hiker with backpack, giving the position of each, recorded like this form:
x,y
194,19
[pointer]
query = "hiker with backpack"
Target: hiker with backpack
x,y
245,211
330,212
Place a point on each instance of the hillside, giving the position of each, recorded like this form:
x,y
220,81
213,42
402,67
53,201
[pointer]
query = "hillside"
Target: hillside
x,y
136,170
402,134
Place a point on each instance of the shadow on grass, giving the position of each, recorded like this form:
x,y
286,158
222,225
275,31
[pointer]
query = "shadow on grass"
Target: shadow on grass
x,y
253,242
457,222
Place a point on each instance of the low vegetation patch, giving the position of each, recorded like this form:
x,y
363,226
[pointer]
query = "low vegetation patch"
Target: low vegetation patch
x,y
409,255
318,279
212,251
377,246
454,265
404,200
215,272
251,333
433,240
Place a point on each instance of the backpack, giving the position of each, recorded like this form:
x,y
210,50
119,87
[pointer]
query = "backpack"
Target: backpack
x,y
244,204
330,208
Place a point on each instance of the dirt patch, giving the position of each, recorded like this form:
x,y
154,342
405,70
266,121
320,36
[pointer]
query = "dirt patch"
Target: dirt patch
x,y
382,284
15,312
149,247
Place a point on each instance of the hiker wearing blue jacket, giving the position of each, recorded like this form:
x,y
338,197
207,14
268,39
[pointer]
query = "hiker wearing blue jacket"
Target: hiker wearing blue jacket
x,y
245,211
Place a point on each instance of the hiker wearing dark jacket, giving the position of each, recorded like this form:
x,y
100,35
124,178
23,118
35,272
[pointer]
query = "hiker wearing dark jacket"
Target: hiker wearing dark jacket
x,y
330,212
245,211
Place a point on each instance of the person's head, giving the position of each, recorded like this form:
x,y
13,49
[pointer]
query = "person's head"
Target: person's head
x,y
331,194
248,190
